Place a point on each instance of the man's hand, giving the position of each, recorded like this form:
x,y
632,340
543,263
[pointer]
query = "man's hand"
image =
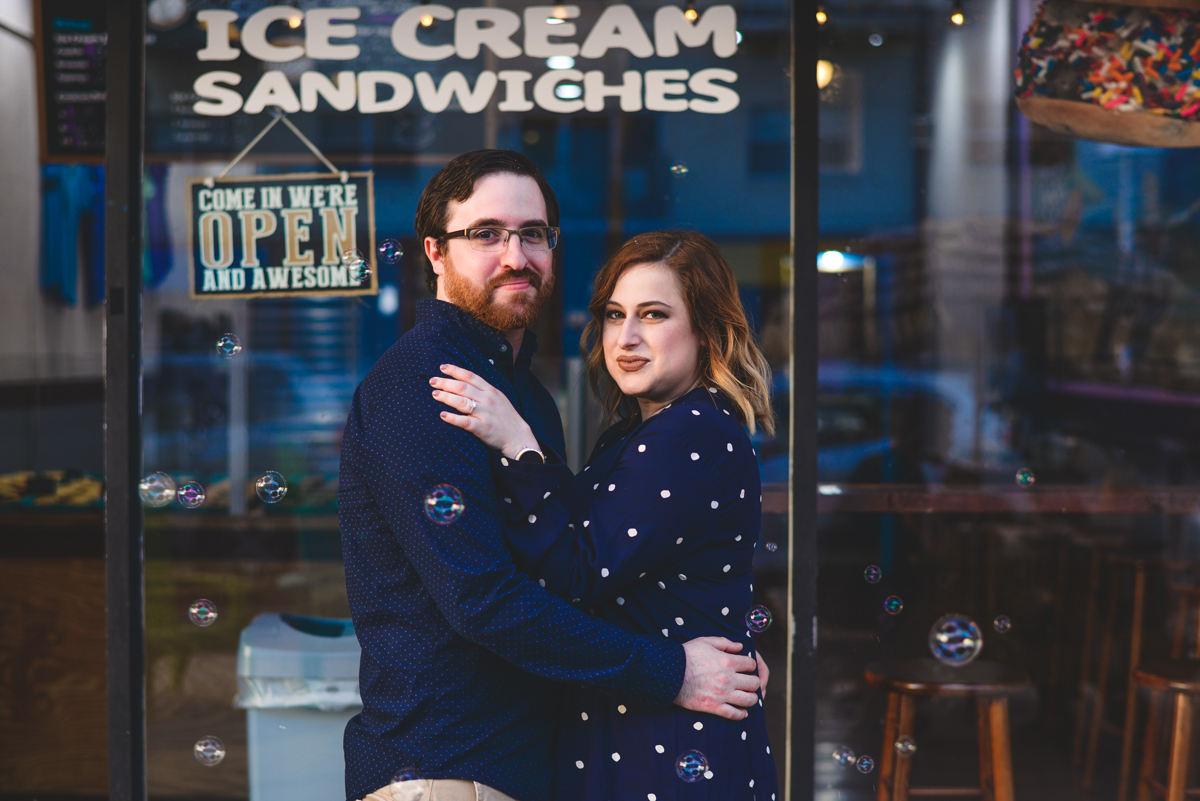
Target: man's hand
x,y
716,680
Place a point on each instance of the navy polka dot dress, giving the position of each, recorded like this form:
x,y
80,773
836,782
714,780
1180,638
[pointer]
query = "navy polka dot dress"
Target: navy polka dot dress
x,y
656,535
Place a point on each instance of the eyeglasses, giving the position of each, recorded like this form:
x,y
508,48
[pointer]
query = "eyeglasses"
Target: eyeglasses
x,y
494,240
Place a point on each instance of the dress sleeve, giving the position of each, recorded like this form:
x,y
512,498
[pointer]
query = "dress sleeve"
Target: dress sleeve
x,y
461,558
658,503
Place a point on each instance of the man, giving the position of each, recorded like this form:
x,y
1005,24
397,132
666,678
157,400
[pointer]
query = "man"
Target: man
x,y
457,646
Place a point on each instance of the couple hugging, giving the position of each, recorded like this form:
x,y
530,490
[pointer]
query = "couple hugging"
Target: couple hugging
x,y
555,636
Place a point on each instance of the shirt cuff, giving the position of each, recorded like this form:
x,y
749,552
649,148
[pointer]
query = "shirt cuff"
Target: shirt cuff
x,y
524,485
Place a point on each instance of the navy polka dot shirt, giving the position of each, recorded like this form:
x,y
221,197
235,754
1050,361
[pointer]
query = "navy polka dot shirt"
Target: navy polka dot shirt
x,y
457,644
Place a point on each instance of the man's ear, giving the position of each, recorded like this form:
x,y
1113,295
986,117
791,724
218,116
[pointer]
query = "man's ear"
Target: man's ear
x,y
435,255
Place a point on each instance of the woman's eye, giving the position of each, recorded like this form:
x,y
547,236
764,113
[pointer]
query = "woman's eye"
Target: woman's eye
x,y
656,315
612,315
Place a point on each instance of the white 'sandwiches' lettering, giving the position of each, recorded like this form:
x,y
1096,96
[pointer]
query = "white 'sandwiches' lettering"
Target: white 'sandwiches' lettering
x,y
328,35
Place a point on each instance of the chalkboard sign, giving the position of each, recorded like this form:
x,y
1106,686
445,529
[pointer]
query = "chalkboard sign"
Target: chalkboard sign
x,y
71,41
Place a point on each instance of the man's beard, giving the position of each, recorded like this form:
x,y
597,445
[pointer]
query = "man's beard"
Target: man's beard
x,y
519,312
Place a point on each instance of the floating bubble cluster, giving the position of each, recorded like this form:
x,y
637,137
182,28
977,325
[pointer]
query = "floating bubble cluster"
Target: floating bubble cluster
x,y
209,750
906,746
444,504
679,168
893,605
390,251
1002,624
1025,477
190,494
692,766
758,619
357,265
873,574
955,640
229,345
157,489
271,487
202,612
844,755
865,764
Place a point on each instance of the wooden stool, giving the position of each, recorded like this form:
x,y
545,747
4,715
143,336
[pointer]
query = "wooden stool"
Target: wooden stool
x,y
1119,566
990,682
1182,677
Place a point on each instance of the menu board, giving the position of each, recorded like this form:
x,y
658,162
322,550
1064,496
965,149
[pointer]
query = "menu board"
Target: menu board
x,y
71,40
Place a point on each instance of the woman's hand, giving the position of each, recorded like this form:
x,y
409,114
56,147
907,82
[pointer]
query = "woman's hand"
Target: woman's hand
x,y
483,410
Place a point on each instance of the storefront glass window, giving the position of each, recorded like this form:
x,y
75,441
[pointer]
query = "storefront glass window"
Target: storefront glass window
x,y
253,351
1005,415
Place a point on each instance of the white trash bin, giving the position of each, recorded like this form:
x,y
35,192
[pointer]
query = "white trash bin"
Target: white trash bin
x,y
298,682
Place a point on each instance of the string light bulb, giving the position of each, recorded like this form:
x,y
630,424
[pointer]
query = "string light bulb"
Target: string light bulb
x,y
822,17
690,11
294,22
426,20
956,16
560,12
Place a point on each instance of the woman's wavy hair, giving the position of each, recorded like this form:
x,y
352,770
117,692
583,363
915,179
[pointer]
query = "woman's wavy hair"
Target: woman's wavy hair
x,y
730,360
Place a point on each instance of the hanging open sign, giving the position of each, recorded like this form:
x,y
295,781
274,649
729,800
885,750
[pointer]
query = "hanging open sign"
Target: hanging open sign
x,y
282,235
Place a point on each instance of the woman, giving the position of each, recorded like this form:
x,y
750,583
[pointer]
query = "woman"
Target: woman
x,y
657,533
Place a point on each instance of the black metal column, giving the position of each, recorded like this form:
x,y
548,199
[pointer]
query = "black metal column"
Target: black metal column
x,y
803,579
123,400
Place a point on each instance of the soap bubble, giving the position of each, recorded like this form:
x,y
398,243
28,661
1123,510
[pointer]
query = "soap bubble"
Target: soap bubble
x,y
758,619
390,251
444,504
1025,477
1002,624
191,494
203,612
875,39
844,755
357,266
679,168
406,774
359,271
229,345
873,574
865,764
271,487
691,766
893,605
772,547
906,746
209,750
955,640
157,489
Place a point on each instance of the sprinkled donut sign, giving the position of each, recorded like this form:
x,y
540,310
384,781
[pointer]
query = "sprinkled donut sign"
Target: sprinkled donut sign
x,y
1127,74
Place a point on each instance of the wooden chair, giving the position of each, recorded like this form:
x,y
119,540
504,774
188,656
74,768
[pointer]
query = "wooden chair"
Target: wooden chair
x,y
989,682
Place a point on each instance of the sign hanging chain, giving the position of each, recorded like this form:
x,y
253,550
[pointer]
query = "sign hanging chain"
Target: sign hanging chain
x,y
280,114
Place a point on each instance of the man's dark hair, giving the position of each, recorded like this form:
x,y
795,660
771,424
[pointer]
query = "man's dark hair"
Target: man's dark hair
x,y
456,181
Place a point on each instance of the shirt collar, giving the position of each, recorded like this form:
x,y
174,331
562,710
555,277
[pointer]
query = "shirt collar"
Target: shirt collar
x,y
491,340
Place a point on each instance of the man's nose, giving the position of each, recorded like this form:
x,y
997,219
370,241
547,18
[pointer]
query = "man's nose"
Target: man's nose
x,y
513,256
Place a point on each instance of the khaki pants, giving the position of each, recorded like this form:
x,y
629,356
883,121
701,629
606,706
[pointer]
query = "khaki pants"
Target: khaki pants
x,y
437,790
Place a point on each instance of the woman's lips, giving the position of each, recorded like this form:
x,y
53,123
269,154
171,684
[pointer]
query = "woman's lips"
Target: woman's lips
x,y
631,364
